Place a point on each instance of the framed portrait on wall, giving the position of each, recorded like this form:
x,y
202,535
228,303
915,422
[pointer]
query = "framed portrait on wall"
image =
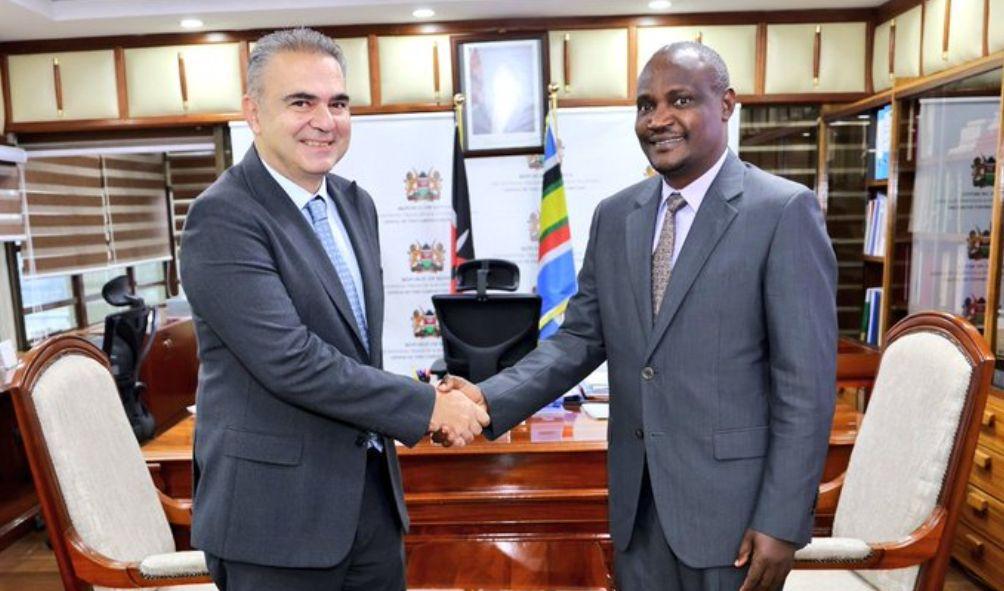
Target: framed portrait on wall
x,y
502,80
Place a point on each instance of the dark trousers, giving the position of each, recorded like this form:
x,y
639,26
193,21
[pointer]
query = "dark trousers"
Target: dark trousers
x,y
374,563
649,563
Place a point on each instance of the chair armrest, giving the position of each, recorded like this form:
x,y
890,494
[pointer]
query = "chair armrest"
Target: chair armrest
x,y
834,550
829,495
97,569
191,563
178,512
920,546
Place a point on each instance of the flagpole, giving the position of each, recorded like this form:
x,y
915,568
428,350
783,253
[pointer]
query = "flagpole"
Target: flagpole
x,y
458,115
552,107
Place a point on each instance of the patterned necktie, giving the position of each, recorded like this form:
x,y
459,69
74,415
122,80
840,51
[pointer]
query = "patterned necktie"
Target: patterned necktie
x,y
317,209
662,258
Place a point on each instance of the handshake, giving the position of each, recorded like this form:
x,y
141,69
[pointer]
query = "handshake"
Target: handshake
x,y
459,414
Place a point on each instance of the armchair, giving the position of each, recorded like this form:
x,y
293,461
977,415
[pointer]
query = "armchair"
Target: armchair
x,y
899,501
108,524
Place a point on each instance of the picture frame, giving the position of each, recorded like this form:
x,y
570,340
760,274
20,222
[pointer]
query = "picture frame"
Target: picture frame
x,y
502,78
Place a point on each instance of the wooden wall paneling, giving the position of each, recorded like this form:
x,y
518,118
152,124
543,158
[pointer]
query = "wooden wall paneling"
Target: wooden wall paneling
x,y
995,26
596,66
737,45
894,8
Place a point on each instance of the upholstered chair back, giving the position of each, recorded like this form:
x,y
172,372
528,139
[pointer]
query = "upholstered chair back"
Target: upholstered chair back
x,y
106,486
898,466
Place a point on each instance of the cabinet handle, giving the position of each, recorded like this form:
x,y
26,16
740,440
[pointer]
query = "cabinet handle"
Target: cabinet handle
x,y
947,30
184,81
989,418
975,546
816,49
977,503
982,460
566,66
435,69
892,50
57,79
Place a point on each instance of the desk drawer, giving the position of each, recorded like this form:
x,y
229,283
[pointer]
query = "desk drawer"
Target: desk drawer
x,y
992,428
988,471
979,555
984,513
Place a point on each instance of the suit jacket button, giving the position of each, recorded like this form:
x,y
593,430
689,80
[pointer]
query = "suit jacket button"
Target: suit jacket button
x,y
639,433
648,373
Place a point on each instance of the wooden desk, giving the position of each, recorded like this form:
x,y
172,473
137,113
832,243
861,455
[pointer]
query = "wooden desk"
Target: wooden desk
x,y
530,510
857,364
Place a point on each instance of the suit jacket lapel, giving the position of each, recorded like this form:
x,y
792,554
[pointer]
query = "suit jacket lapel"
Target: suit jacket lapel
x,y
298,230
365,249
712,220
638,234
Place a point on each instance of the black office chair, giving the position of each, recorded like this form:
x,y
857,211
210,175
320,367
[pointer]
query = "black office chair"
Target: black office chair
x,y
127,340
485,333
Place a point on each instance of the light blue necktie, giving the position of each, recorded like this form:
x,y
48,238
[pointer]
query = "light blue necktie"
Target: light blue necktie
x,y
319,219
318,211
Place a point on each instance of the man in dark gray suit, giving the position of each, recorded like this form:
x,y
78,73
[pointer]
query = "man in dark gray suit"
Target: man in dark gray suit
x,y
298,484
710,291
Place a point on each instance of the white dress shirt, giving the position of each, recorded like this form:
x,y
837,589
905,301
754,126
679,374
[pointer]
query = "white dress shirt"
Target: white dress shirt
x,y
301,197
693,195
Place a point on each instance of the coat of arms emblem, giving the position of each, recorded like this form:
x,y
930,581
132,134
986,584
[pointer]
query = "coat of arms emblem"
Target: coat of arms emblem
x,y
423,186
426,258
424,324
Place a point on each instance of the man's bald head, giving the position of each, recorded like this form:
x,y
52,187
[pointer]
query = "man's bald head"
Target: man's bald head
x,y
695,56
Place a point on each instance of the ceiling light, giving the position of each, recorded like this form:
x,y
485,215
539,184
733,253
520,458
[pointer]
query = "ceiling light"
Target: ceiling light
x,y
423,13
659,4
191,23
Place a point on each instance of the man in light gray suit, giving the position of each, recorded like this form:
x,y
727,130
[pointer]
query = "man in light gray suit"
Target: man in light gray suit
x,y
297,479
710,291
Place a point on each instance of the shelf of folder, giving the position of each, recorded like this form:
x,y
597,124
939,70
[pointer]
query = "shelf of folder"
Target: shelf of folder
x,y
868,258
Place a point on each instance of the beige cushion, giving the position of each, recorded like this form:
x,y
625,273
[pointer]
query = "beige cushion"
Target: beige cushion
x,y
109,494
828,549
174,564
825,580
900,456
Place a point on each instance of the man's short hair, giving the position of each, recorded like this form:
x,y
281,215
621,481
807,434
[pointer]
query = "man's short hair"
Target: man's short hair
x,y
709,56
292,40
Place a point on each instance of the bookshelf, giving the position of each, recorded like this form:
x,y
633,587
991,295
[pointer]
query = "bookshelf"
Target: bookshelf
x,y
855,202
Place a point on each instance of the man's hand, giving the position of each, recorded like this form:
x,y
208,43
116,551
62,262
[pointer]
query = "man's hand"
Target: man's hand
x,y
456,418
771,561
456,384
451,382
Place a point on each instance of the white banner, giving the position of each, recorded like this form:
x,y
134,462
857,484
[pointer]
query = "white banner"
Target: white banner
x,y
405,163
952,205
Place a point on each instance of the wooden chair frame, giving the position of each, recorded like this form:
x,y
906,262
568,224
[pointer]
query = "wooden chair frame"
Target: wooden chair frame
x,y
79,565
930,545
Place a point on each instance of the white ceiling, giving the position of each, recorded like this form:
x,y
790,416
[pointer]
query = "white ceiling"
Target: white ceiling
x,y
51,19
